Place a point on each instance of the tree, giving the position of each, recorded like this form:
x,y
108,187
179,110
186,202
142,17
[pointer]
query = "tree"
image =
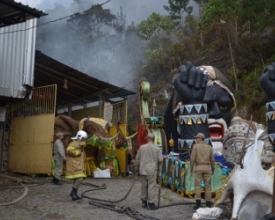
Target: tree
x,y
154,25
176,9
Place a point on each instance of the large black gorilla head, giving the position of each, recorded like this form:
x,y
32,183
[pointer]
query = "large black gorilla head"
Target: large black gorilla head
x,y
220,101
199,85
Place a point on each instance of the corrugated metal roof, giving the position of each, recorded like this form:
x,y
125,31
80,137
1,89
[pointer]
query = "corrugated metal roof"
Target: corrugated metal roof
x,y
82,88
17,52
13,13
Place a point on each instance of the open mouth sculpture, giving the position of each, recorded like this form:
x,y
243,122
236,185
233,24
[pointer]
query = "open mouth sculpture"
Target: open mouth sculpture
x,y
216,131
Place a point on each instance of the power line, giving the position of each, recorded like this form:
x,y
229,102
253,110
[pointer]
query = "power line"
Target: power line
x,y
10,32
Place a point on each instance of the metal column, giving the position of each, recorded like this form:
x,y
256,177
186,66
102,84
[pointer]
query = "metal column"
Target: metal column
x,y
101,105
5,149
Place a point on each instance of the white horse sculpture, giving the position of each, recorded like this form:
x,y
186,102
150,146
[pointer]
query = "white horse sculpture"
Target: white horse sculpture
x,y
251,185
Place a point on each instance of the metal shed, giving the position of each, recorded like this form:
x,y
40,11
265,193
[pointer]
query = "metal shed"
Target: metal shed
x,y
12,12
80,88
32,120
17,48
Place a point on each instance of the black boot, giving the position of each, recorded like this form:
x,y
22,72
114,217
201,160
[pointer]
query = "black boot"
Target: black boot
x,y
78,197
198,204
54,181
144,203
73,194
152,206
57,182
208,204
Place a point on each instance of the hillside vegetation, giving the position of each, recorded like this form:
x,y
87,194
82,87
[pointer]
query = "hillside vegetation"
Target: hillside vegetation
x,y
237,37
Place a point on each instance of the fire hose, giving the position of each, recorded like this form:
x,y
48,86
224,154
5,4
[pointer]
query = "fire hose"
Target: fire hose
x,y
23,183
110,204
106,204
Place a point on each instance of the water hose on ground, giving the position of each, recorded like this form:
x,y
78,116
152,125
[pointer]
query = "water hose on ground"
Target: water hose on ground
x,y
19,198
22,183
107,204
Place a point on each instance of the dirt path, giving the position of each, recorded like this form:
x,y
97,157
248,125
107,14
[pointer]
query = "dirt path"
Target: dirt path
x,y
48,201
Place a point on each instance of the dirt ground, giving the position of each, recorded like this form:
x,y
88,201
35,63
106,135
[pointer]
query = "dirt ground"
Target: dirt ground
x,y
47,201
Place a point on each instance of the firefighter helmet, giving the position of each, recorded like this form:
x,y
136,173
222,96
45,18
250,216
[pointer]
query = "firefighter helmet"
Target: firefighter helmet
x,y
80,135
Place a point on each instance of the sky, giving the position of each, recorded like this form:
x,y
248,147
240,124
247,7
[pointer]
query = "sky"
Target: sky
x,y
140,9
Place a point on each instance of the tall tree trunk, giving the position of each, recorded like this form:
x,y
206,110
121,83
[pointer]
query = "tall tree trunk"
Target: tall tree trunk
x,y
232,59
201,34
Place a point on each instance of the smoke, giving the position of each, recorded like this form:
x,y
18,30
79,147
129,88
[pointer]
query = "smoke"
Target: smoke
x,y
103,52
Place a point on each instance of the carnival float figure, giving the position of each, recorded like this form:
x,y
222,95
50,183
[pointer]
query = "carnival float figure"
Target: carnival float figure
x,y
203,101
99,140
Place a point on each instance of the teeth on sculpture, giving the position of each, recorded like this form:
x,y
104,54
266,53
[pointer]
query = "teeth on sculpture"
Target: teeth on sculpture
x,y
216,137
214,126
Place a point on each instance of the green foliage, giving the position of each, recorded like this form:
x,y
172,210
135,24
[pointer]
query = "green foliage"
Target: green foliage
x,y
95,141
219,10
201,1
176,7
215,45
153,56
260,12
254,96
154,25
237,33
176,53
156,62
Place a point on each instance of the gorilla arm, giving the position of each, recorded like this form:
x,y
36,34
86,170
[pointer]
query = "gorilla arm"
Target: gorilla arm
x,y
190,86
267,82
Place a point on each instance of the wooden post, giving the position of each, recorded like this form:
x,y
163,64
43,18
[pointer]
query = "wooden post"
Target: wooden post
x,y
70,109
273,195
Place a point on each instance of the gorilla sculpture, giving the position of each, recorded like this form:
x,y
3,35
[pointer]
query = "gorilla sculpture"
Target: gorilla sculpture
x,y
203,101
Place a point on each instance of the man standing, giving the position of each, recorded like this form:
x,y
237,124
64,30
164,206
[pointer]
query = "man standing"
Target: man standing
x,y
59,157
146,164
202,156
75,162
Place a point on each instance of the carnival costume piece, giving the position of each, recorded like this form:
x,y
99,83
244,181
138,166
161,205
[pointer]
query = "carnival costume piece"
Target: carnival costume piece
x,y
98,143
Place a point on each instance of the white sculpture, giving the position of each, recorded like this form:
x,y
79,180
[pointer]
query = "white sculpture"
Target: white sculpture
x,y
251,178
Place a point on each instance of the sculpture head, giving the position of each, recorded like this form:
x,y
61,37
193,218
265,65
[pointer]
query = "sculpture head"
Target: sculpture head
x,y
220,102
199,93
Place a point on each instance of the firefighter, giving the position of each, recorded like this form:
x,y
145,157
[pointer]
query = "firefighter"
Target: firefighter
x,y
75,162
